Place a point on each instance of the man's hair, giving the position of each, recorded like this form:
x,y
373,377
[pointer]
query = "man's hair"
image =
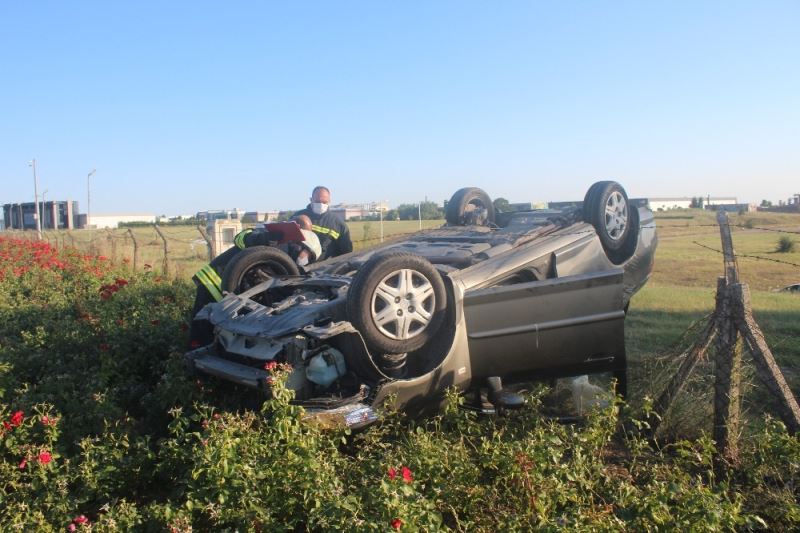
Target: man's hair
x,y
320,188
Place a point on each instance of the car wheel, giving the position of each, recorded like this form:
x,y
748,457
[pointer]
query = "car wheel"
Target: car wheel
x,y
606,207
470,206
397,301
255,265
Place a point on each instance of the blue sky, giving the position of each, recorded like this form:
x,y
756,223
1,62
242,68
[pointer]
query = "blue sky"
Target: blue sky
x,y
186,106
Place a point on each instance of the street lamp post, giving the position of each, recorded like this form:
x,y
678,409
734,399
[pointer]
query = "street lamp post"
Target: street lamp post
x,y
44,209
36,199
89,196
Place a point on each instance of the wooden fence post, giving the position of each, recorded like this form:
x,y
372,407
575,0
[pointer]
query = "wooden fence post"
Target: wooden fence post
x,y
113,243
728,360
727,379
165,265
204,233
135,249
768,370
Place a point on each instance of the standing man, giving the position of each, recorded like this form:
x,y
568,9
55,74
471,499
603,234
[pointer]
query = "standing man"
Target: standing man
x,y
333,233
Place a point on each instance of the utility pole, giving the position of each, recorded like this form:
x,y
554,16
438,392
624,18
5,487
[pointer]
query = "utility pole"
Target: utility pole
x,y
44,210
419,214
36,199
89,196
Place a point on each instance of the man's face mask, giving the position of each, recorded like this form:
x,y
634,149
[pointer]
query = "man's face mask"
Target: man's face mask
x,y
302,260
319,208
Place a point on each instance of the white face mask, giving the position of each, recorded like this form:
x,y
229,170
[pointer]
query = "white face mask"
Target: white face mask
x,y
319,208
302,260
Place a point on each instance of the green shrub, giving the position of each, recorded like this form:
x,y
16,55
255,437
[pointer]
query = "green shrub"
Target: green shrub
x,y
785,245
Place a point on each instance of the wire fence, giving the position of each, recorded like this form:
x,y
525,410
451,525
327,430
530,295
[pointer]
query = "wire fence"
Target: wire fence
x,y
179,251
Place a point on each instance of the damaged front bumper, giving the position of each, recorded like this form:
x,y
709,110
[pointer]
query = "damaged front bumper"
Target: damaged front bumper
x,y
352,411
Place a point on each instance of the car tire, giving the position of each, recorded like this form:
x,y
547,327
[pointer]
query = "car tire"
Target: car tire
x,y
606,207
464,202
397,301
629,248
254,265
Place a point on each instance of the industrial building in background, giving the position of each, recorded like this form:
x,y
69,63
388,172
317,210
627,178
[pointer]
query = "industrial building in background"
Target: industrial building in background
x,y
56,214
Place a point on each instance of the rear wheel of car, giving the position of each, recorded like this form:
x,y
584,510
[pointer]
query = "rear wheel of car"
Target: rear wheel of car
x,y
397,301
470,206
255,265
606,207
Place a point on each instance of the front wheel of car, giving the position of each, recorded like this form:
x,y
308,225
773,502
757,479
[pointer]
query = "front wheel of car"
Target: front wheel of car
x,y
255,265
397,301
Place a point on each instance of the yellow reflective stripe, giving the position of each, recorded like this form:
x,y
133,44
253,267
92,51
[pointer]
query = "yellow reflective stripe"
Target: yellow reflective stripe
x,y
325,231
212,275
208,284
239,239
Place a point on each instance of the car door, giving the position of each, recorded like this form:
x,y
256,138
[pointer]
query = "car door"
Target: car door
x,y
570,322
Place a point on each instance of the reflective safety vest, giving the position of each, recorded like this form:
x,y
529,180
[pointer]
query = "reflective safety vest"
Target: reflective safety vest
x,y
209,278
325,231
239,239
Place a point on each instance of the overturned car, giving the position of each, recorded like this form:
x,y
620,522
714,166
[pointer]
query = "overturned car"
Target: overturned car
x,y
487,299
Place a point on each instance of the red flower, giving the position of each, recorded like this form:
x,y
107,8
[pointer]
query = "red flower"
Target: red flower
x,y
407,474
6,425
47,421
80,520
71,528
270,366
155,322
23,464
392,473
104,347
121,282
45,458
17,418
397,523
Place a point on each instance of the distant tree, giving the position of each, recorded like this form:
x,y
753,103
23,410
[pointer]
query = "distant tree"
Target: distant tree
x,y
501,205
694,202
429,211
407,211
391,214
766,203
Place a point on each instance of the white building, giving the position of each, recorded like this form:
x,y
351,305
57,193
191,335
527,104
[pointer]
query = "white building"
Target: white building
x,y
685,202
112,221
